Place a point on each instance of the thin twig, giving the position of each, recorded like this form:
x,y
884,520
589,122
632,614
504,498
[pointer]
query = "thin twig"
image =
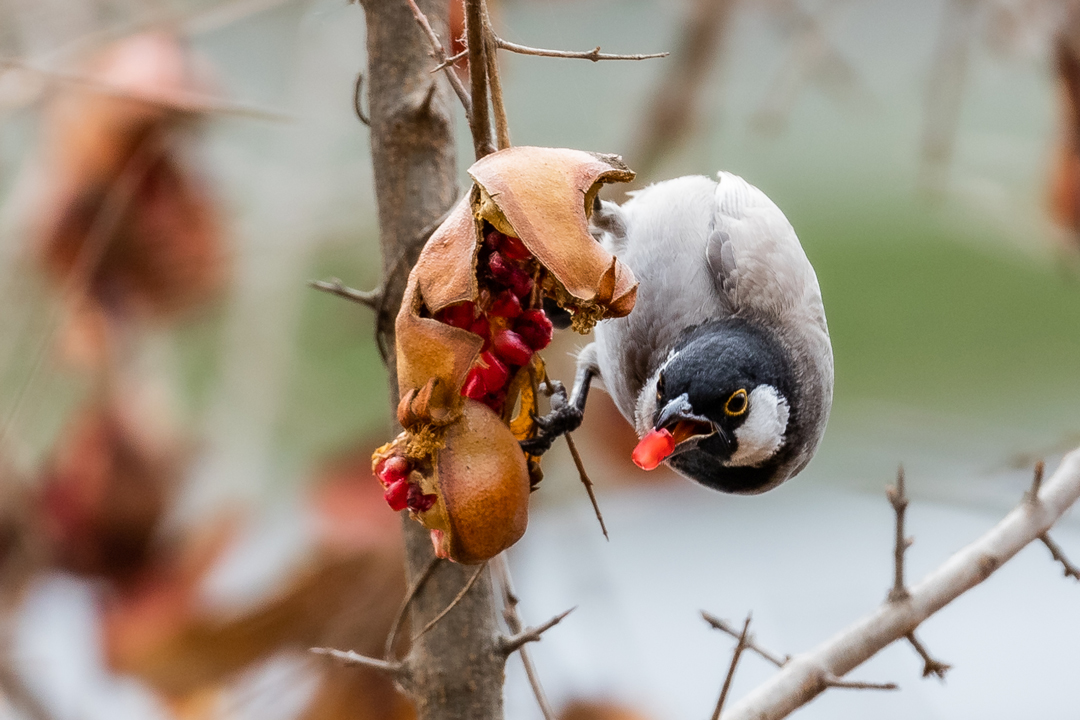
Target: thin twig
x,y
930,665
1059,555
1036,482
731,669
388,652
532,634
898,500
725,627
835,682
502,127
453,603
357,102
595,55
451,60
514,622
480,120
586,482
439,53
749,643
334,286
348,657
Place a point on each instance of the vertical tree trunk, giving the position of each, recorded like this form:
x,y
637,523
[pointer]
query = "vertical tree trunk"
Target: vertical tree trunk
x,y
455,670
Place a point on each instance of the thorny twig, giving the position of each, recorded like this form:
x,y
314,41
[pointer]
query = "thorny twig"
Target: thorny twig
x,y
502,126
739,647
586,482
451,60
479,120
439,53
930,665
899,501
1057,553
348,657
828,678
388,652
595,55
334,286
531,634
453,603
514,622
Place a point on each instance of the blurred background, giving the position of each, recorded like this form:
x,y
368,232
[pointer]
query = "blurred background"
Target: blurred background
x,y
186,502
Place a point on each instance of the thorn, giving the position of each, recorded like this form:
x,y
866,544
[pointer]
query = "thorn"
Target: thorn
x,y
1036,483
835,682
509,644
334,286
1057,553
348,657
357,105
930,665
725,627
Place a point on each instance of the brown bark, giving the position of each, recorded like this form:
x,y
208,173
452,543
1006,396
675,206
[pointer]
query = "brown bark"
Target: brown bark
x,y
455,670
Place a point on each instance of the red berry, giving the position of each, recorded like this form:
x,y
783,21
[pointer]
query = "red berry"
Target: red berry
x,y
459,315
418,501
480,326
509,346
493,240
397,495
521,284
506,304
653,448
393,469
514,249
535,329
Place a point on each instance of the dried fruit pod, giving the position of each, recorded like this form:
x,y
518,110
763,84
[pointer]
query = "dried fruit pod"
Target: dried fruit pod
x,y
470,324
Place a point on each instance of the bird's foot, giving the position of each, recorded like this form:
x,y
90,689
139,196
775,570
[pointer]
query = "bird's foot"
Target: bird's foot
x,y
562,418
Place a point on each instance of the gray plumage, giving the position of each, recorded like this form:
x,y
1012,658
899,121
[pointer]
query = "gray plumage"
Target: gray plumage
x,y
703,252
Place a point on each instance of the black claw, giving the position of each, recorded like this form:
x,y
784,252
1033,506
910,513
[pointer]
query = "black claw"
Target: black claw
x,y
562,419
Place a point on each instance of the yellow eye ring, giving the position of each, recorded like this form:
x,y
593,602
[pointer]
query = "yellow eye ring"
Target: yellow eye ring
x,y
737,404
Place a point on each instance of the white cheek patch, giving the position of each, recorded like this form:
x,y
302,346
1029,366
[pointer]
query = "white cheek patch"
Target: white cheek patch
x,y
646,406
762,433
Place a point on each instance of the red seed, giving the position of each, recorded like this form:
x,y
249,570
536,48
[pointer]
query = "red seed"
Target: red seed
x,y
506,273
480,326
535,329
522,284
509,346
506,304
474,385
653,448
397,495
514,249
494,239
418,501
460,315
493,372
393,469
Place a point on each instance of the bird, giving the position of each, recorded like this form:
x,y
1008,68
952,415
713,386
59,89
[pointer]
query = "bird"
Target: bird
x,y
725,366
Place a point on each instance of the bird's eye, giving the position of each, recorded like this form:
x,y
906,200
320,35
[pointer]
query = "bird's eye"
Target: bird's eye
x,y
736,404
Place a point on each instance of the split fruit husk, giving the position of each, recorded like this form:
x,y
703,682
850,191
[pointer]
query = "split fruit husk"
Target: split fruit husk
x,y
520,236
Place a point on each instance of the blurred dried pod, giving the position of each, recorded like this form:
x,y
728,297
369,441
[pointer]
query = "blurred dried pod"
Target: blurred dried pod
x,y
121,213
471,325
104,491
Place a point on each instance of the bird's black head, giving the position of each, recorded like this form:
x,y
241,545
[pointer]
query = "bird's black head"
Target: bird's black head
x,y
725,395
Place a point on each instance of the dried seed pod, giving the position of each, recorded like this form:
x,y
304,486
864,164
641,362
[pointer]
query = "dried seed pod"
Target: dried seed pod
x,y
472,318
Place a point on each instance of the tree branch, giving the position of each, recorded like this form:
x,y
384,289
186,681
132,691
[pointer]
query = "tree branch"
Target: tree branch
x,y
586,482
388,651
514,622
930,665
725,627
479,120
802,678
348,657
439,53
532,634
731,669
453,603
898,499
1057,553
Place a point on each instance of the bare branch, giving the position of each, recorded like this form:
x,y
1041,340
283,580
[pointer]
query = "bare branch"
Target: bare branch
x,y
802,679
594,55
388,651
930,665
479,120
1056,551
334,286
358,105
502,126
724,626
451,60
348,657
453,603
898,499
731,669
586,482
513,621
528,635
439,53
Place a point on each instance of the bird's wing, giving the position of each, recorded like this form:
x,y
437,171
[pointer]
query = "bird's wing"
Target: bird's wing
x,y
755,257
